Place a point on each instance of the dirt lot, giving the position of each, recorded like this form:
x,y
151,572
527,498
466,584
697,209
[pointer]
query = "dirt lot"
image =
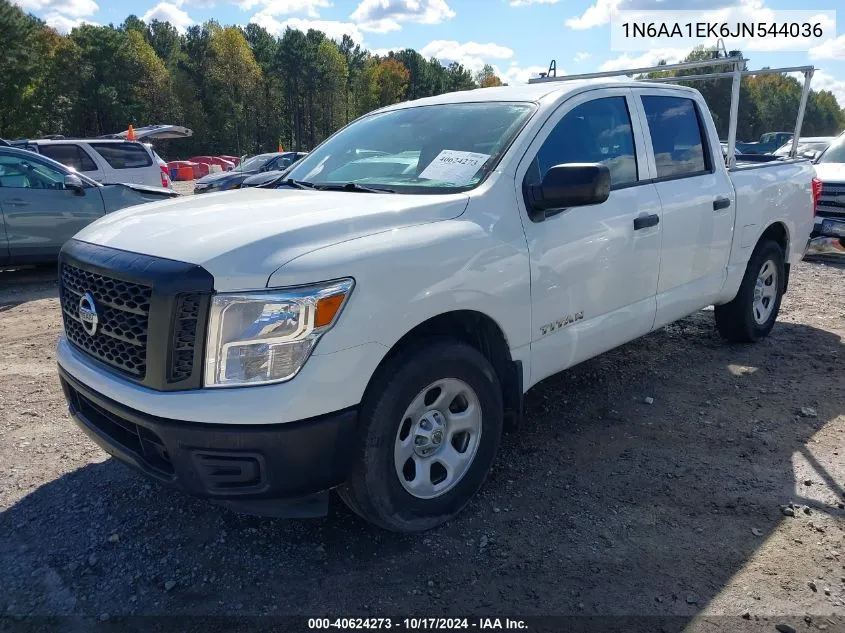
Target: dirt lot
x,y
601,505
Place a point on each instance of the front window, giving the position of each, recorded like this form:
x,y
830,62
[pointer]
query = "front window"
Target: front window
x,y
425,149
21,173
836,152
255,163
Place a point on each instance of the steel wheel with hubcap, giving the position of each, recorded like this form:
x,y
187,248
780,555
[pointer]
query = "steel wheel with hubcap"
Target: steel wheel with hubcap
x,y
437,439
430,425
765,292
751,315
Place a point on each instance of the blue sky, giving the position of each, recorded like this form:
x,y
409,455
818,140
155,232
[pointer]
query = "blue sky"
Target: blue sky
x,y
519,37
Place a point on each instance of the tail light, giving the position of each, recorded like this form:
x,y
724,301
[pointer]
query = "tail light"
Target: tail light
x,y
817,193
165,178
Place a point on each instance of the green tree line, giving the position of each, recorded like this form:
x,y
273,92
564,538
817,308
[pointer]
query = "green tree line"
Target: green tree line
x,y
244,90
241,90
767,103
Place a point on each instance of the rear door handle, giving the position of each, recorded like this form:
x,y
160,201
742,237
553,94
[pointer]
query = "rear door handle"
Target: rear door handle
x,y
721,203
645,221
16,202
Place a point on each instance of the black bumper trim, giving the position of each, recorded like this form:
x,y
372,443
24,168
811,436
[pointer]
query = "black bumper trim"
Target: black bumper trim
x,y
239,465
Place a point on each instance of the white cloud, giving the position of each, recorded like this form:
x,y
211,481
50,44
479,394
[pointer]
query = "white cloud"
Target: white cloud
x,y
651,58
200,4
525,3
286,7
472,55
595,15
601,11
333,29
167,12
516,74
824,81
829,49
383,16
384,52
75,8
580,57
64,24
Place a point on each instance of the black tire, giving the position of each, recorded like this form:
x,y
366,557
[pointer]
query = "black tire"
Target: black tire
x,y
736,321
373,490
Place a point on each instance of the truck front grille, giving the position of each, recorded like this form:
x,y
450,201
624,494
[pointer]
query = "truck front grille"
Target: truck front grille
x,y
123,308
184,337
150,313
832,200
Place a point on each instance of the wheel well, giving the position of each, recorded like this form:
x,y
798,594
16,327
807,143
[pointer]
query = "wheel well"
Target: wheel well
x,y
779,234
485,335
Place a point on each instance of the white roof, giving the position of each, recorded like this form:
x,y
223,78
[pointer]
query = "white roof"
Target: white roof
x,y
552,91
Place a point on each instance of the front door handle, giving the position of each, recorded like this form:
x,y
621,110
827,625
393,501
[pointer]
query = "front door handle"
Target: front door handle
x,y
646,221
16,202
721,203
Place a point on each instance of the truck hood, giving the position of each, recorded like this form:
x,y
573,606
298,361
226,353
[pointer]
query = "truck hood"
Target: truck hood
x,y
242,237
830,172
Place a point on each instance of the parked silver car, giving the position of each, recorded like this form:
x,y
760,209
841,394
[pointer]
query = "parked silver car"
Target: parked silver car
x,y
43,204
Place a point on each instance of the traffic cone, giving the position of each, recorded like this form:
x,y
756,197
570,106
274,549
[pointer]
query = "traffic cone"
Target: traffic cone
x,y
281,149
130,134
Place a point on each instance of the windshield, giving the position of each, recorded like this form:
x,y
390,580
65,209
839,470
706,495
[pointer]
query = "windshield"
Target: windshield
x,y
425,149
255,163
836,152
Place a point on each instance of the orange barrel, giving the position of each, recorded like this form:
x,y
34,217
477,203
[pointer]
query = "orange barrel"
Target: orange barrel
x,y
185,173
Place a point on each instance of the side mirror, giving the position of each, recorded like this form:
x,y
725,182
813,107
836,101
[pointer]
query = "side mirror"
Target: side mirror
x,y
569,185
74,183
812,154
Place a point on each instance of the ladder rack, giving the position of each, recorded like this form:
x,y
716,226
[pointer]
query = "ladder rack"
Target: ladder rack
x,y
736,72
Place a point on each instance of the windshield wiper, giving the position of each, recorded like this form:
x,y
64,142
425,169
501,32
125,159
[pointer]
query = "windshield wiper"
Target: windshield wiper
x,y
353,186
290,182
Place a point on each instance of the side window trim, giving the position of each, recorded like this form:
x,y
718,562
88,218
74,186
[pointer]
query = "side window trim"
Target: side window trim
x,y
639,140
561,110
706,139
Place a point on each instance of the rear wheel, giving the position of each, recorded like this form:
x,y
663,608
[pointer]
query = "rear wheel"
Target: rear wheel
x,y
753,312
430,427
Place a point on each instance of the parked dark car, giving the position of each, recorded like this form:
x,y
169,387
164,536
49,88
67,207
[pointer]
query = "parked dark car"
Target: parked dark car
x,y
234,179
767,144
266,177
43,204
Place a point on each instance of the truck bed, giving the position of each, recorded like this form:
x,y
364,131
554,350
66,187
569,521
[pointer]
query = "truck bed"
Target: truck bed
x,y
767,191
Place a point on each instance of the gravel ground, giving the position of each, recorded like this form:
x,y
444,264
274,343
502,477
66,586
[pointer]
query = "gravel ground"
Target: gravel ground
x,y
724,496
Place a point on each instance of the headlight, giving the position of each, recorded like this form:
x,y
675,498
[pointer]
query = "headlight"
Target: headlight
x,y
256,338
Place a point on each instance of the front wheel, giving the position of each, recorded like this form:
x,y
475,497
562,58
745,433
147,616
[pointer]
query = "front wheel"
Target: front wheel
x,y
430,426
752,313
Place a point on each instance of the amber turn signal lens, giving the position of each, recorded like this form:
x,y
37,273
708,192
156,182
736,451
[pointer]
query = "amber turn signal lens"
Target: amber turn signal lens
x,y
327,308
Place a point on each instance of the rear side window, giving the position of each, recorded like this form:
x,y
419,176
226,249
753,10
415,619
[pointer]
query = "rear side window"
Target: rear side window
x,y
677,137
69,156
597,131
123,155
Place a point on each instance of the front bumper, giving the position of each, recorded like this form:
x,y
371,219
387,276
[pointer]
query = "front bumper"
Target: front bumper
x,y
277,470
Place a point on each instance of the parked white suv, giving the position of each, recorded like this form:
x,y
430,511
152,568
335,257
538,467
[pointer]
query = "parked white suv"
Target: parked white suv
x,y
107,161
372,324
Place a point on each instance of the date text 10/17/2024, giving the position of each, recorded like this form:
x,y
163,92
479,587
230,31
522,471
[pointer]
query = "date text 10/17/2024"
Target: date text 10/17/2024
x,y
418,624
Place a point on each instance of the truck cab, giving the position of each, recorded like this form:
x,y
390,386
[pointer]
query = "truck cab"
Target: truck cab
x,y
371,324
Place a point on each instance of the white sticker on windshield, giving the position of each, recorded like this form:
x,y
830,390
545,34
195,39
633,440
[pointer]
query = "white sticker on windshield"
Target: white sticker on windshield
x,y
454,167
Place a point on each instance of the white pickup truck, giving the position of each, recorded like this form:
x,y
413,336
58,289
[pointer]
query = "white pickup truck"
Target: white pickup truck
x,y
372,323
